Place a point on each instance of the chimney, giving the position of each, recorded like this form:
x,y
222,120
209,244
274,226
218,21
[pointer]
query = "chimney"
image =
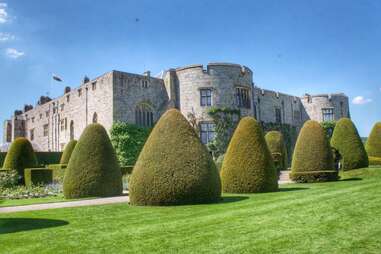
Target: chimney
x,y
67,89
147,74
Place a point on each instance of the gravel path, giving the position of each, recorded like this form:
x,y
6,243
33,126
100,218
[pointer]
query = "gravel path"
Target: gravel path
x,y
88,202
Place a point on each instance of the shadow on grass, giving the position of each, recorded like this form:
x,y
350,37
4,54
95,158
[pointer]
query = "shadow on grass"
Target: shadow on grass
x,y
231,199
292,189
351,179
14,225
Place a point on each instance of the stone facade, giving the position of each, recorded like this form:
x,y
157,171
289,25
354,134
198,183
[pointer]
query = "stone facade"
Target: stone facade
x,y
141,99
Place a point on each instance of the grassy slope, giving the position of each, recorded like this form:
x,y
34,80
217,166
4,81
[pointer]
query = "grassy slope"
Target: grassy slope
x,y
339,217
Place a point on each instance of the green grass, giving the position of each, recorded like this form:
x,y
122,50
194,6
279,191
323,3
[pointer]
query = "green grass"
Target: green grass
x,y
338,217
31,201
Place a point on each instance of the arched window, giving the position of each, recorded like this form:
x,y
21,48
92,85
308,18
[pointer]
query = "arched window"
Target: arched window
x,y
71,130
95,118
144,115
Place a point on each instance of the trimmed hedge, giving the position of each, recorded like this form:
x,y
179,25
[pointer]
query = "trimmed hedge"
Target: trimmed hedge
x,y
312,153
277,147
174,167
43,158
315,176
347,141
68,151
93,169
374,161
126,170
248,166
58,171
38,176
20,156
373,143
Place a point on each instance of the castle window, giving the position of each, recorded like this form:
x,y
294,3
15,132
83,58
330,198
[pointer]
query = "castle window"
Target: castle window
x,y
46,130
328,114
242,97
65,124
144,83
62,125
95,118
143,116
32,119
40,116
79,92
31,133
9,133
207,132
71,130
94,85
206,97
278,115
68,98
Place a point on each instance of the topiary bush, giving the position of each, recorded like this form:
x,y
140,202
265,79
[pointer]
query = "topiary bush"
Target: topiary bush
x,y
277,147
373,143
38,176
347,141
93,169
20,156
68,151
248,166
174,167
312,159
374,161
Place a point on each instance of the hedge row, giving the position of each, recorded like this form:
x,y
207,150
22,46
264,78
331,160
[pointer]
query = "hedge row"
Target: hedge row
x,y
38,176
43,158
314,176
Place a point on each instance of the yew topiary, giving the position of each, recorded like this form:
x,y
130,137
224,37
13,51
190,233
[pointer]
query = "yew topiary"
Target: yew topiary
x,y
278,150
20,156
248,166
373,144
174,167
93,169
68,151
347,142
312,159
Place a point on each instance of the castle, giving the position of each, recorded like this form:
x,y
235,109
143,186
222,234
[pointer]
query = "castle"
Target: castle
x,y
141,99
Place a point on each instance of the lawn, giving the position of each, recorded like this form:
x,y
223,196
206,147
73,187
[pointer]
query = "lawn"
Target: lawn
x,y
31,201
339,217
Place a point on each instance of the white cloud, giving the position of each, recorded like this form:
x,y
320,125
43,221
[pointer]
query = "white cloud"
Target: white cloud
x,y
3,13
360,100
6,37
14,53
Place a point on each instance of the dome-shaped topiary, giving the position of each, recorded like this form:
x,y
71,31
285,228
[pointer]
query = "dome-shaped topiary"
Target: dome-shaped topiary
x,y
373,144
278,150
248,166
347,142
93,169
312,159
69,148
174,167
20,156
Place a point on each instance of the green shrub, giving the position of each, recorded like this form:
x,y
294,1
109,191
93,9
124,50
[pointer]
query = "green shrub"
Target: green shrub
x,y
93,169
347,141
38,176
277,147
128,141
68,151
312,155
329,127
248,166
373,143
314,176
20,156
58,171
174,167
374,161
126,170
8,178
46,158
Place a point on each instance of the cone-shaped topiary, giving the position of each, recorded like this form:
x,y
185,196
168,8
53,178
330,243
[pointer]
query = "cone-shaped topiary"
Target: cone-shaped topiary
x,y
174,167
347,141
69,148
373,144
20,156
312,159
248,166
278,150
93,169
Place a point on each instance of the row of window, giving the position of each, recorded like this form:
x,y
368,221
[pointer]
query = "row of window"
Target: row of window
x,y
242,96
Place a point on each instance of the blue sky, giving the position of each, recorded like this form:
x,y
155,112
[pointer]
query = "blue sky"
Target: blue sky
x,y
292,46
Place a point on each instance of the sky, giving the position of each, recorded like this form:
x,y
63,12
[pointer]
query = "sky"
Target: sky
x,y
292,46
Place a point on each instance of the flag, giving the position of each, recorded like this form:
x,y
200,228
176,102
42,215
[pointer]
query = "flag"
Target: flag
x,y
56,78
